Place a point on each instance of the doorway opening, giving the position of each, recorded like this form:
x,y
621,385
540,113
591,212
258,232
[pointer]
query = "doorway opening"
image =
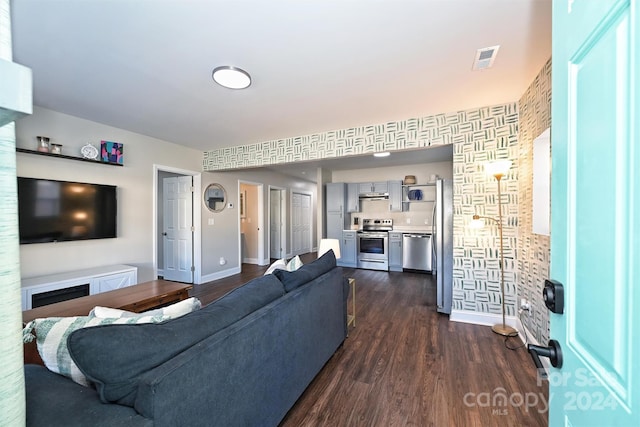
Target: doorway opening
x,y
251,219
176,224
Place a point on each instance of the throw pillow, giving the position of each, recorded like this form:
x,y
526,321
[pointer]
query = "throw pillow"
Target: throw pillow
x,y
170,312
306,273
51,338
280,264
294,264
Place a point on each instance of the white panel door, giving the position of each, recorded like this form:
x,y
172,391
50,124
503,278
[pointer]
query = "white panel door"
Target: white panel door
x,y
296,224
305,222
300,223
178,228
275,224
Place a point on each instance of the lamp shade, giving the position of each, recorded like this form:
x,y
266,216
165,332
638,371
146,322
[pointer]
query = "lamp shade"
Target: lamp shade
x,y
326,244
497,167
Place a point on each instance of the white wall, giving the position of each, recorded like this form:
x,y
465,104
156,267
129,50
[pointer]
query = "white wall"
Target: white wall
x,y
221,240
134,244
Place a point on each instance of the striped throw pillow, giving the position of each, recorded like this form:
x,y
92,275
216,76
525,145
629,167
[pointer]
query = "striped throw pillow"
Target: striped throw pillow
x,y
51,338
170,312
294,264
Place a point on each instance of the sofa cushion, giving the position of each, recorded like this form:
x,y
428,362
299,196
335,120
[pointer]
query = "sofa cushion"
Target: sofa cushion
x,y
114,357
170,312
54,401
293,279
51,335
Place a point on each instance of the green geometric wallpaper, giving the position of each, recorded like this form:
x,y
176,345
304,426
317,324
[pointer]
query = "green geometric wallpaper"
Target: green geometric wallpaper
x,y
477,135
534,250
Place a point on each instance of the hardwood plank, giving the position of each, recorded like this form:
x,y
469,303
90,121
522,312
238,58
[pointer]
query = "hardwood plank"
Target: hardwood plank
x,y
405,364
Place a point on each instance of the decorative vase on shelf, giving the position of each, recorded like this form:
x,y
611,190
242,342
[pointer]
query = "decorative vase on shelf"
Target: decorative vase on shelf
x,y
43,144
56,149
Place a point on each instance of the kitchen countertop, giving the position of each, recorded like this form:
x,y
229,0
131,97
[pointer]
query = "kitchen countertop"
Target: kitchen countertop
x,y
426,229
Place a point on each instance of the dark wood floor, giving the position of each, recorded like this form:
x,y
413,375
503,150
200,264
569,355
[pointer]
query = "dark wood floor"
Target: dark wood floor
x,y
407,365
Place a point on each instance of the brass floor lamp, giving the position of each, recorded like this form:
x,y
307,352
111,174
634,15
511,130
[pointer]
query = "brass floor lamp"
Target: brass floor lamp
x,y
498,169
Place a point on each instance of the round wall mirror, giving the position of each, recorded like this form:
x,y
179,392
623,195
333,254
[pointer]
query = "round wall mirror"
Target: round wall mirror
x,y
215,197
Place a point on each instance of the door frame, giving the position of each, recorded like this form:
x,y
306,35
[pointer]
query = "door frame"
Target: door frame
x,y
283,217
261,235
197,215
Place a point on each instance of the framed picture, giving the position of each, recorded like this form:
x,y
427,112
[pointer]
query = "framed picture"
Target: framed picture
x,y
111,152
243,204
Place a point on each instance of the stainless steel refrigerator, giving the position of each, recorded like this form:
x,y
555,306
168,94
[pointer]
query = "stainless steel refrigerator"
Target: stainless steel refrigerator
x,y
443,244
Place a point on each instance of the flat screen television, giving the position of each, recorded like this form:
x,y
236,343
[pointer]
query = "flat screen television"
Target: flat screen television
x,y
59,211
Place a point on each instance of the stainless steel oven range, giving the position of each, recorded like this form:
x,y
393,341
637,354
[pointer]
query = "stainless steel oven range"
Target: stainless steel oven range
x,y
373,244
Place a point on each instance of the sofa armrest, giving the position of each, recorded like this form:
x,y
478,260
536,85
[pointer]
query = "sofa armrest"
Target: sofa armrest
x,y
53,400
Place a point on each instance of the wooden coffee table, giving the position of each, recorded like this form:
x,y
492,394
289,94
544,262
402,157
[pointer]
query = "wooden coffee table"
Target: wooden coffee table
x,y
136,298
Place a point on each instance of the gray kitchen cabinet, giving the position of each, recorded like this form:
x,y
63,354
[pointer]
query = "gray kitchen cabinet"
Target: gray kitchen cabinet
x,y
373,187
395,251
353,199
348,250
395,196
335,209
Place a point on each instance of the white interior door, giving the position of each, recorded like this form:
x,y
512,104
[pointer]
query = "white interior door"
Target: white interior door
x,y
300,223
178,228
275,223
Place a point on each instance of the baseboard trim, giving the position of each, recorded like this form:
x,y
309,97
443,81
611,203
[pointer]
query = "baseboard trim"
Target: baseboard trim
x,y
220,275
485,319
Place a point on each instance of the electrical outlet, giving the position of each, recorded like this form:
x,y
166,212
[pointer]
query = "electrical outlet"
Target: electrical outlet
x,y
525,305
408,220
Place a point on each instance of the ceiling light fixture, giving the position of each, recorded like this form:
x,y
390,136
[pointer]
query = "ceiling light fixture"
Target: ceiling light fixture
x,y
231,77
383,154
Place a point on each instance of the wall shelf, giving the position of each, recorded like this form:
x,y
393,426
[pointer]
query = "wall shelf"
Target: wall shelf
x,y
406,188
64,156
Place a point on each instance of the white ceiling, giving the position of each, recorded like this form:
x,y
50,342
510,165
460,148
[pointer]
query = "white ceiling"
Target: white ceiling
x,y
145,66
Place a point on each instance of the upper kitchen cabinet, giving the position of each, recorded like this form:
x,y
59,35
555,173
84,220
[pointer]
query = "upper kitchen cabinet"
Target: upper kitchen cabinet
x,y
373,187
336,197
395,196
336,216
353,199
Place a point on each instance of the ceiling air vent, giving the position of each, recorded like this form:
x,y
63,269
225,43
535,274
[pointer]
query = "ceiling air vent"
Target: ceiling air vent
x,y
485,57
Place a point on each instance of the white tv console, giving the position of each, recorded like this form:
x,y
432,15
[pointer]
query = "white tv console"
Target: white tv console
x,y
98,279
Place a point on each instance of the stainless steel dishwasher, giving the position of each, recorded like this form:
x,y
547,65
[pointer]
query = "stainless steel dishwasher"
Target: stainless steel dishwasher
x,y
417,253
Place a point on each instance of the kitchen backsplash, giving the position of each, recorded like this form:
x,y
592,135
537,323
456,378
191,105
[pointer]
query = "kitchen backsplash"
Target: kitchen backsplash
x,y
419,215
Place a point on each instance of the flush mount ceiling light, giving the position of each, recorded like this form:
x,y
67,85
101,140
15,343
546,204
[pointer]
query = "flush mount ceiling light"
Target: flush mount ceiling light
x,y
231,77
383,154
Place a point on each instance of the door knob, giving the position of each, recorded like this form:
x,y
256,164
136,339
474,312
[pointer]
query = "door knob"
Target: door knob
x,y
164,233
553,352
553,295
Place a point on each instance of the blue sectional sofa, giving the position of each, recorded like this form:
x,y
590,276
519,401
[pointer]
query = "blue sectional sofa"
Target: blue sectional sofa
x,y
243,360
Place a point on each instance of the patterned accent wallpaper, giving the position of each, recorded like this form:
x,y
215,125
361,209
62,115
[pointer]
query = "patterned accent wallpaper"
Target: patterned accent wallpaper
x,y
478,136
534,250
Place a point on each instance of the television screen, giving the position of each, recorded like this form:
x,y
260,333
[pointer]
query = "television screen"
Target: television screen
x,y
58,211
